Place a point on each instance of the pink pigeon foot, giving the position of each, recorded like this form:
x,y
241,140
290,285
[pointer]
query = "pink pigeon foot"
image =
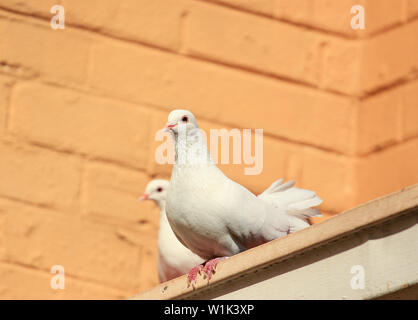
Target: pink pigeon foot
x,y
210,267
191,277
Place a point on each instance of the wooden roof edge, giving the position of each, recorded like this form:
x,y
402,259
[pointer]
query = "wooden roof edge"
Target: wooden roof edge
x,y
365,215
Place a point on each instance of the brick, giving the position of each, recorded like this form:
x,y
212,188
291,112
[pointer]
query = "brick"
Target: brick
x,y
156,22
220,94
336,16
6,84
265,7
34,49
340,65
159,118
272,47
328,15
40,8
66,119
390,57
112,193
86,249
410,110
26,283
149,267
39,176
379,121
386,171
412,8
147,271
330,176
387,118
381,15
2,226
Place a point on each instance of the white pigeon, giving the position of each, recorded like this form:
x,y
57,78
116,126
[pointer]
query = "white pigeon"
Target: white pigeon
x,y
174,259
216,217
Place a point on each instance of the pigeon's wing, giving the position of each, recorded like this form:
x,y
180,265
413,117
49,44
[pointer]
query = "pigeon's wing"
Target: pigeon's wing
x,y
297,202
255,221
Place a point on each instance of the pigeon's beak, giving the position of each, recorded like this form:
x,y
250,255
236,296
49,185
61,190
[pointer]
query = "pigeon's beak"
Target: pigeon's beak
x,y
145,196
169,126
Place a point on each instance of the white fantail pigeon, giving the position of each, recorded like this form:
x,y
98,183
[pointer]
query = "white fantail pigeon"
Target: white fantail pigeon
x,y
174,259
216,217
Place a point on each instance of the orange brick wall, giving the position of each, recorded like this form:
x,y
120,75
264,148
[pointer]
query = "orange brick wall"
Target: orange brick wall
x,y
79,108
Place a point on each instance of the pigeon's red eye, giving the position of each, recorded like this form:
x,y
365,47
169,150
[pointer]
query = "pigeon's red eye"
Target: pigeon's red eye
x,y
185,119
159,189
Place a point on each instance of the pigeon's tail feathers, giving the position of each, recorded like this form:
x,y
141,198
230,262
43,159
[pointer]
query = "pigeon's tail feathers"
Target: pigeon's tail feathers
x,y
277,186
278,224
297,224
297,202
307,200
305,209
305,214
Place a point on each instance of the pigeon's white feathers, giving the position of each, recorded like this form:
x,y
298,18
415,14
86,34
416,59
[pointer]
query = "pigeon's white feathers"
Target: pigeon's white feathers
x,y
174,259
297,202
